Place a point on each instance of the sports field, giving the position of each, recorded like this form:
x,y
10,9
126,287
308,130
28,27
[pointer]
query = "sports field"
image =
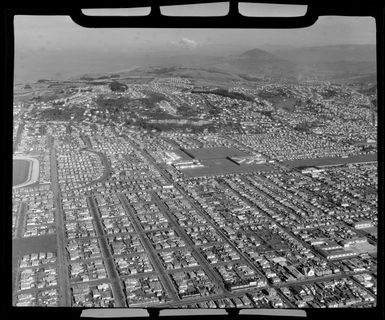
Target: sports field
x,y
213,167
214,153
23,246
20,171
330,161
216,162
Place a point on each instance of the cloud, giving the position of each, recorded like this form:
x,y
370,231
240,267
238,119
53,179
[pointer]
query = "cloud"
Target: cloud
x,y
185,43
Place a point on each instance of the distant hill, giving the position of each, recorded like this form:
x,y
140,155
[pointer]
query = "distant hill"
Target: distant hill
x,y
369,91
258,54
348,64
351,53
325,63
257,62
332,62
338,70
365,80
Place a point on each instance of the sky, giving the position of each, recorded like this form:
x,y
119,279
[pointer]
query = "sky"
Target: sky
x,y
43,41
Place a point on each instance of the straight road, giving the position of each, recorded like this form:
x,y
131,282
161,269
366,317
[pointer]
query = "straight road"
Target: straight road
x,y
204,214
306,245
107,256
331,186
18,136
155,260
195,206
203,263
21,220
319,279
272,220
62,265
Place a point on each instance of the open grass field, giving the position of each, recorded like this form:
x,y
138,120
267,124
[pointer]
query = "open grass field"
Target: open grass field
x,y
216,162
215,167
28,245
213,153
23,246
20,171
363,248
372,231
330,161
